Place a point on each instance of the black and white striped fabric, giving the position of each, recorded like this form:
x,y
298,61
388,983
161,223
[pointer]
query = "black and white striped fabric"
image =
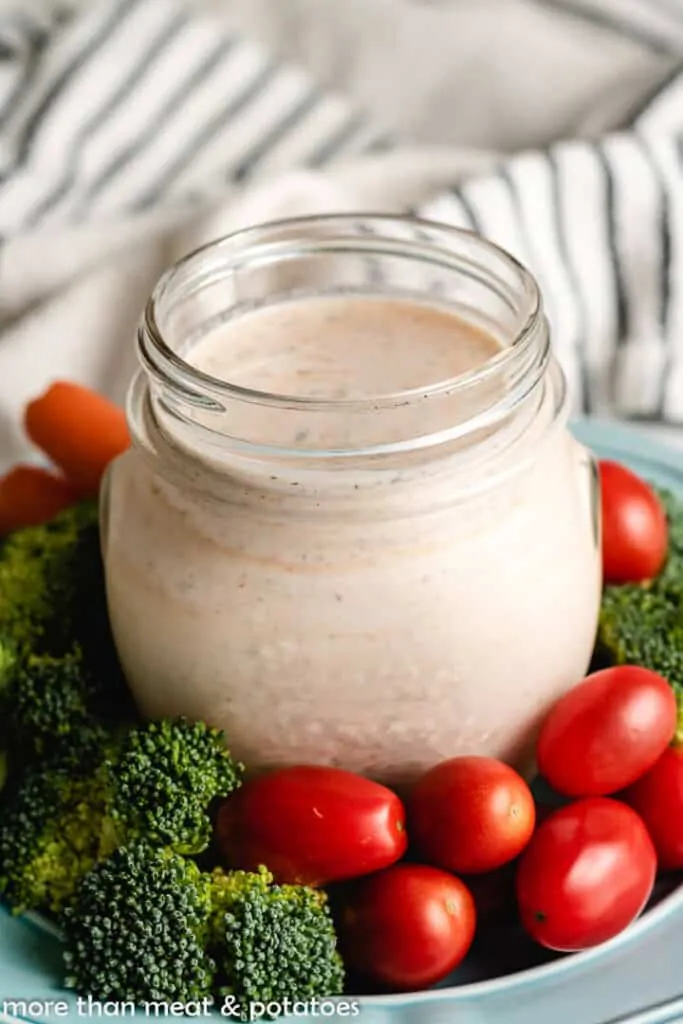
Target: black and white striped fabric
x,y
141,102
601,225
134,106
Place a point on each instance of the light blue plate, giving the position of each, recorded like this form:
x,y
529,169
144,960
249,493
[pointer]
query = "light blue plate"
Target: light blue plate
x,y
636,978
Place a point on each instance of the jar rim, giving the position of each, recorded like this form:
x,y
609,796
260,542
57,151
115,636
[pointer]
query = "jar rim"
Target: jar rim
x,y
167,365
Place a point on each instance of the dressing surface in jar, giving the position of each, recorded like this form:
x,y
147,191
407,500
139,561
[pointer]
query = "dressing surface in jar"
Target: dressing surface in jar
x,y
353,527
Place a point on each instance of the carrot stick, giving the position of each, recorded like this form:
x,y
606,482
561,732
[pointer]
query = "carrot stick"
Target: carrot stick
x,y
30,495
80,430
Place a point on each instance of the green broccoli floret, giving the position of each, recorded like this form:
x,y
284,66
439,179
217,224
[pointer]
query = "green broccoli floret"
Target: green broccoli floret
x,y
147,924
53,829
165,775
227,889
155,782
671,577
50,700
53,601
273,942
38,602
137,929
642,624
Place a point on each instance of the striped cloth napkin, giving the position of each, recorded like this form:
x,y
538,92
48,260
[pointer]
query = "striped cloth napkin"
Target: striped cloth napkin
x,y
130,130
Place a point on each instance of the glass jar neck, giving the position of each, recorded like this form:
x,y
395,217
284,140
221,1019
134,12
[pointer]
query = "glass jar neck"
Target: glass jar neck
x,y
173,402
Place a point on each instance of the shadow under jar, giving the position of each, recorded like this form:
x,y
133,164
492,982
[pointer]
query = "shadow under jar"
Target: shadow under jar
x,y
353,527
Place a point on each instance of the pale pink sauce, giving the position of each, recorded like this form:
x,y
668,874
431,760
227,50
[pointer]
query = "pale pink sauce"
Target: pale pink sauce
x,y
380,633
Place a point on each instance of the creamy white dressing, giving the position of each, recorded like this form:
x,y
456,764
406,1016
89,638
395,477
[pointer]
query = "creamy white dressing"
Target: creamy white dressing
x,y
401,625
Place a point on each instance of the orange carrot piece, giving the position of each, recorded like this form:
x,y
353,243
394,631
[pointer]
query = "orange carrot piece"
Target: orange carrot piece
x,y
31,495
80,430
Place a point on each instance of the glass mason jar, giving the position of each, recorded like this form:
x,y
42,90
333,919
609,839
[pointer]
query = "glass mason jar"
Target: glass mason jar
x,y
375,581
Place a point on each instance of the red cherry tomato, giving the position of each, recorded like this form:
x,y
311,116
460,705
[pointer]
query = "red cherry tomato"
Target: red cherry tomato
x,y
658,799
408,927
312,825
634,526
470,815
607,731
586,875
